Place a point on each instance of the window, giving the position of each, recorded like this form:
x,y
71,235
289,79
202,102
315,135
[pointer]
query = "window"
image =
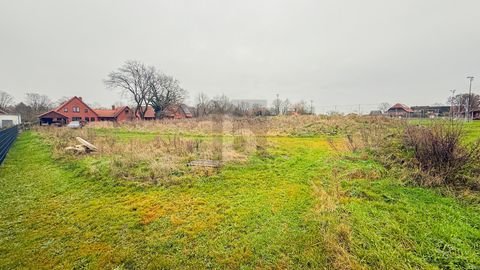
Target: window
x,y
76,119
65,109
86,119
92,119
76,109
86,110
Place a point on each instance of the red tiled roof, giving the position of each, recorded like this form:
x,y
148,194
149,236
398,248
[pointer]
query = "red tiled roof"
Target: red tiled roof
x,y
150,113
110,113
58,109
400,106
52,112
173,109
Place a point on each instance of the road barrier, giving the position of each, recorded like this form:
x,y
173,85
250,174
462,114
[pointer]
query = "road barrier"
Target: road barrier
x,y
7,137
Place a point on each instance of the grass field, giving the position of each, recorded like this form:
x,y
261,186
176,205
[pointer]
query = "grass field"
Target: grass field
x,y
300,205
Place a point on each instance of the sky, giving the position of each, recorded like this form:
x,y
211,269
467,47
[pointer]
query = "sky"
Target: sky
x,y
335,53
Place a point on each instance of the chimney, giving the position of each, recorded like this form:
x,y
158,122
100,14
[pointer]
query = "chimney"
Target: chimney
x,y
113,107
80,98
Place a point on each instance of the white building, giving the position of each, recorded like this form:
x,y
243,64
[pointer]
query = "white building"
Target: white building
x,y
9,120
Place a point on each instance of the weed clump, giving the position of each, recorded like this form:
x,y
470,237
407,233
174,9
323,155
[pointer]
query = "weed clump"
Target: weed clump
x,y
440,157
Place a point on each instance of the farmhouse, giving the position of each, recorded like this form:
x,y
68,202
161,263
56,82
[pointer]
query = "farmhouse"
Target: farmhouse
x,y
179,111
120,114
399,110
73,109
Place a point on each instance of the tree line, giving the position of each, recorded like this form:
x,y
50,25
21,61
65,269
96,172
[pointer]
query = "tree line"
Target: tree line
x,y
462,102
205,106
145,86
33,105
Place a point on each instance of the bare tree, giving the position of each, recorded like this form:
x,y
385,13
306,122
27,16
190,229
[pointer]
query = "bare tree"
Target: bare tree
x,y
25,111
203,105
165,91
384,106
460,101
61,100
38,103
285,106
222,105
136,81
276,105
301,107
6,100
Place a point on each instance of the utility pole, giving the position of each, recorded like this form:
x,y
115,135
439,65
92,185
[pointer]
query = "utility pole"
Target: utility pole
x,y
277,105
451,103
311,107
467,113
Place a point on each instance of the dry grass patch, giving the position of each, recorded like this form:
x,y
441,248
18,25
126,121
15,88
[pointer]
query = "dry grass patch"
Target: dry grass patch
x,y
147,158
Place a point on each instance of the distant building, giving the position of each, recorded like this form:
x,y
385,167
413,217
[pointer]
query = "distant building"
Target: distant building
x,y
475,114
250,103
376,113
149,114
430,111
116,114
399,110
9,120
73,109
176,111
180,111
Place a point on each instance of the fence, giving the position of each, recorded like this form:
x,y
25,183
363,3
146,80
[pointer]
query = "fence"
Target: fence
x,y
7,137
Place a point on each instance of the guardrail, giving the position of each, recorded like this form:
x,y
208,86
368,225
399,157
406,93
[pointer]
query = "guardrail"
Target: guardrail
x,y
7,137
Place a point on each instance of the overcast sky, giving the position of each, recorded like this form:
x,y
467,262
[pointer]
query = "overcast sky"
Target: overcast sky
x,y
332,52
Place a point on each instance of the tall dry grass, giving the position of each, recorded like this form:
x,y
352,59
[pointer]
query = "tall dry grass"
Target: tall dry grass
x,y
150,159
440,157
302,125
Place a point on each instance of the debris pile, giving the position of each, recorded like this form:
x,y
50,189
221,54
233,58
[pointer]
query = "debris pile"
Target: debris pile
x,y
205,163
83,148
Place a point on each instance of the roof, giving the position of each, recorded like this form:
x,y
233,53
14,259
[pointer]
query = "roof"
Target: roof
x,y
110,113
400,106
150,113
3,112
52,112
185,109
58,109
172,109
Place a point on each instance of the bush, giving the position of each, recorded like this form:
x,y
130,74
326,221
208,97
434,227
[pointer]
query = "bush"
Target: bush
x,y
440,157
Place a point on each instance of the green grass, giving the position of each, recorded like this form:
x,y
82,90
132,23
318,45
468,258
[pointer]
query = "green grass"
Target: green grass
x,y
295,208
398,227
471,129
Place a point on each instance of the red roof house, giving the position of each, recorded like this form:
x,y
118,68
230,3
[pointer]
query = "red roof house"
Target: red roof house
x,y
399,110
179,111
149,114
73,109
120,114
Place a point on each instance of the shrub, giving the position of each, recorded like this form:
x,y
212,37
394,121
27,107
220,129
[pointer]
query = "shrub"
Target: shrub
x,y
440,157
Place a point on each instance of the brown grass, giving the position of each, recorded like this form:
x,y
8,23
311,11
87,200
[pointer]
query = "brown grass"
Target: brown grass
x,y
302,125
158,159
440,156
